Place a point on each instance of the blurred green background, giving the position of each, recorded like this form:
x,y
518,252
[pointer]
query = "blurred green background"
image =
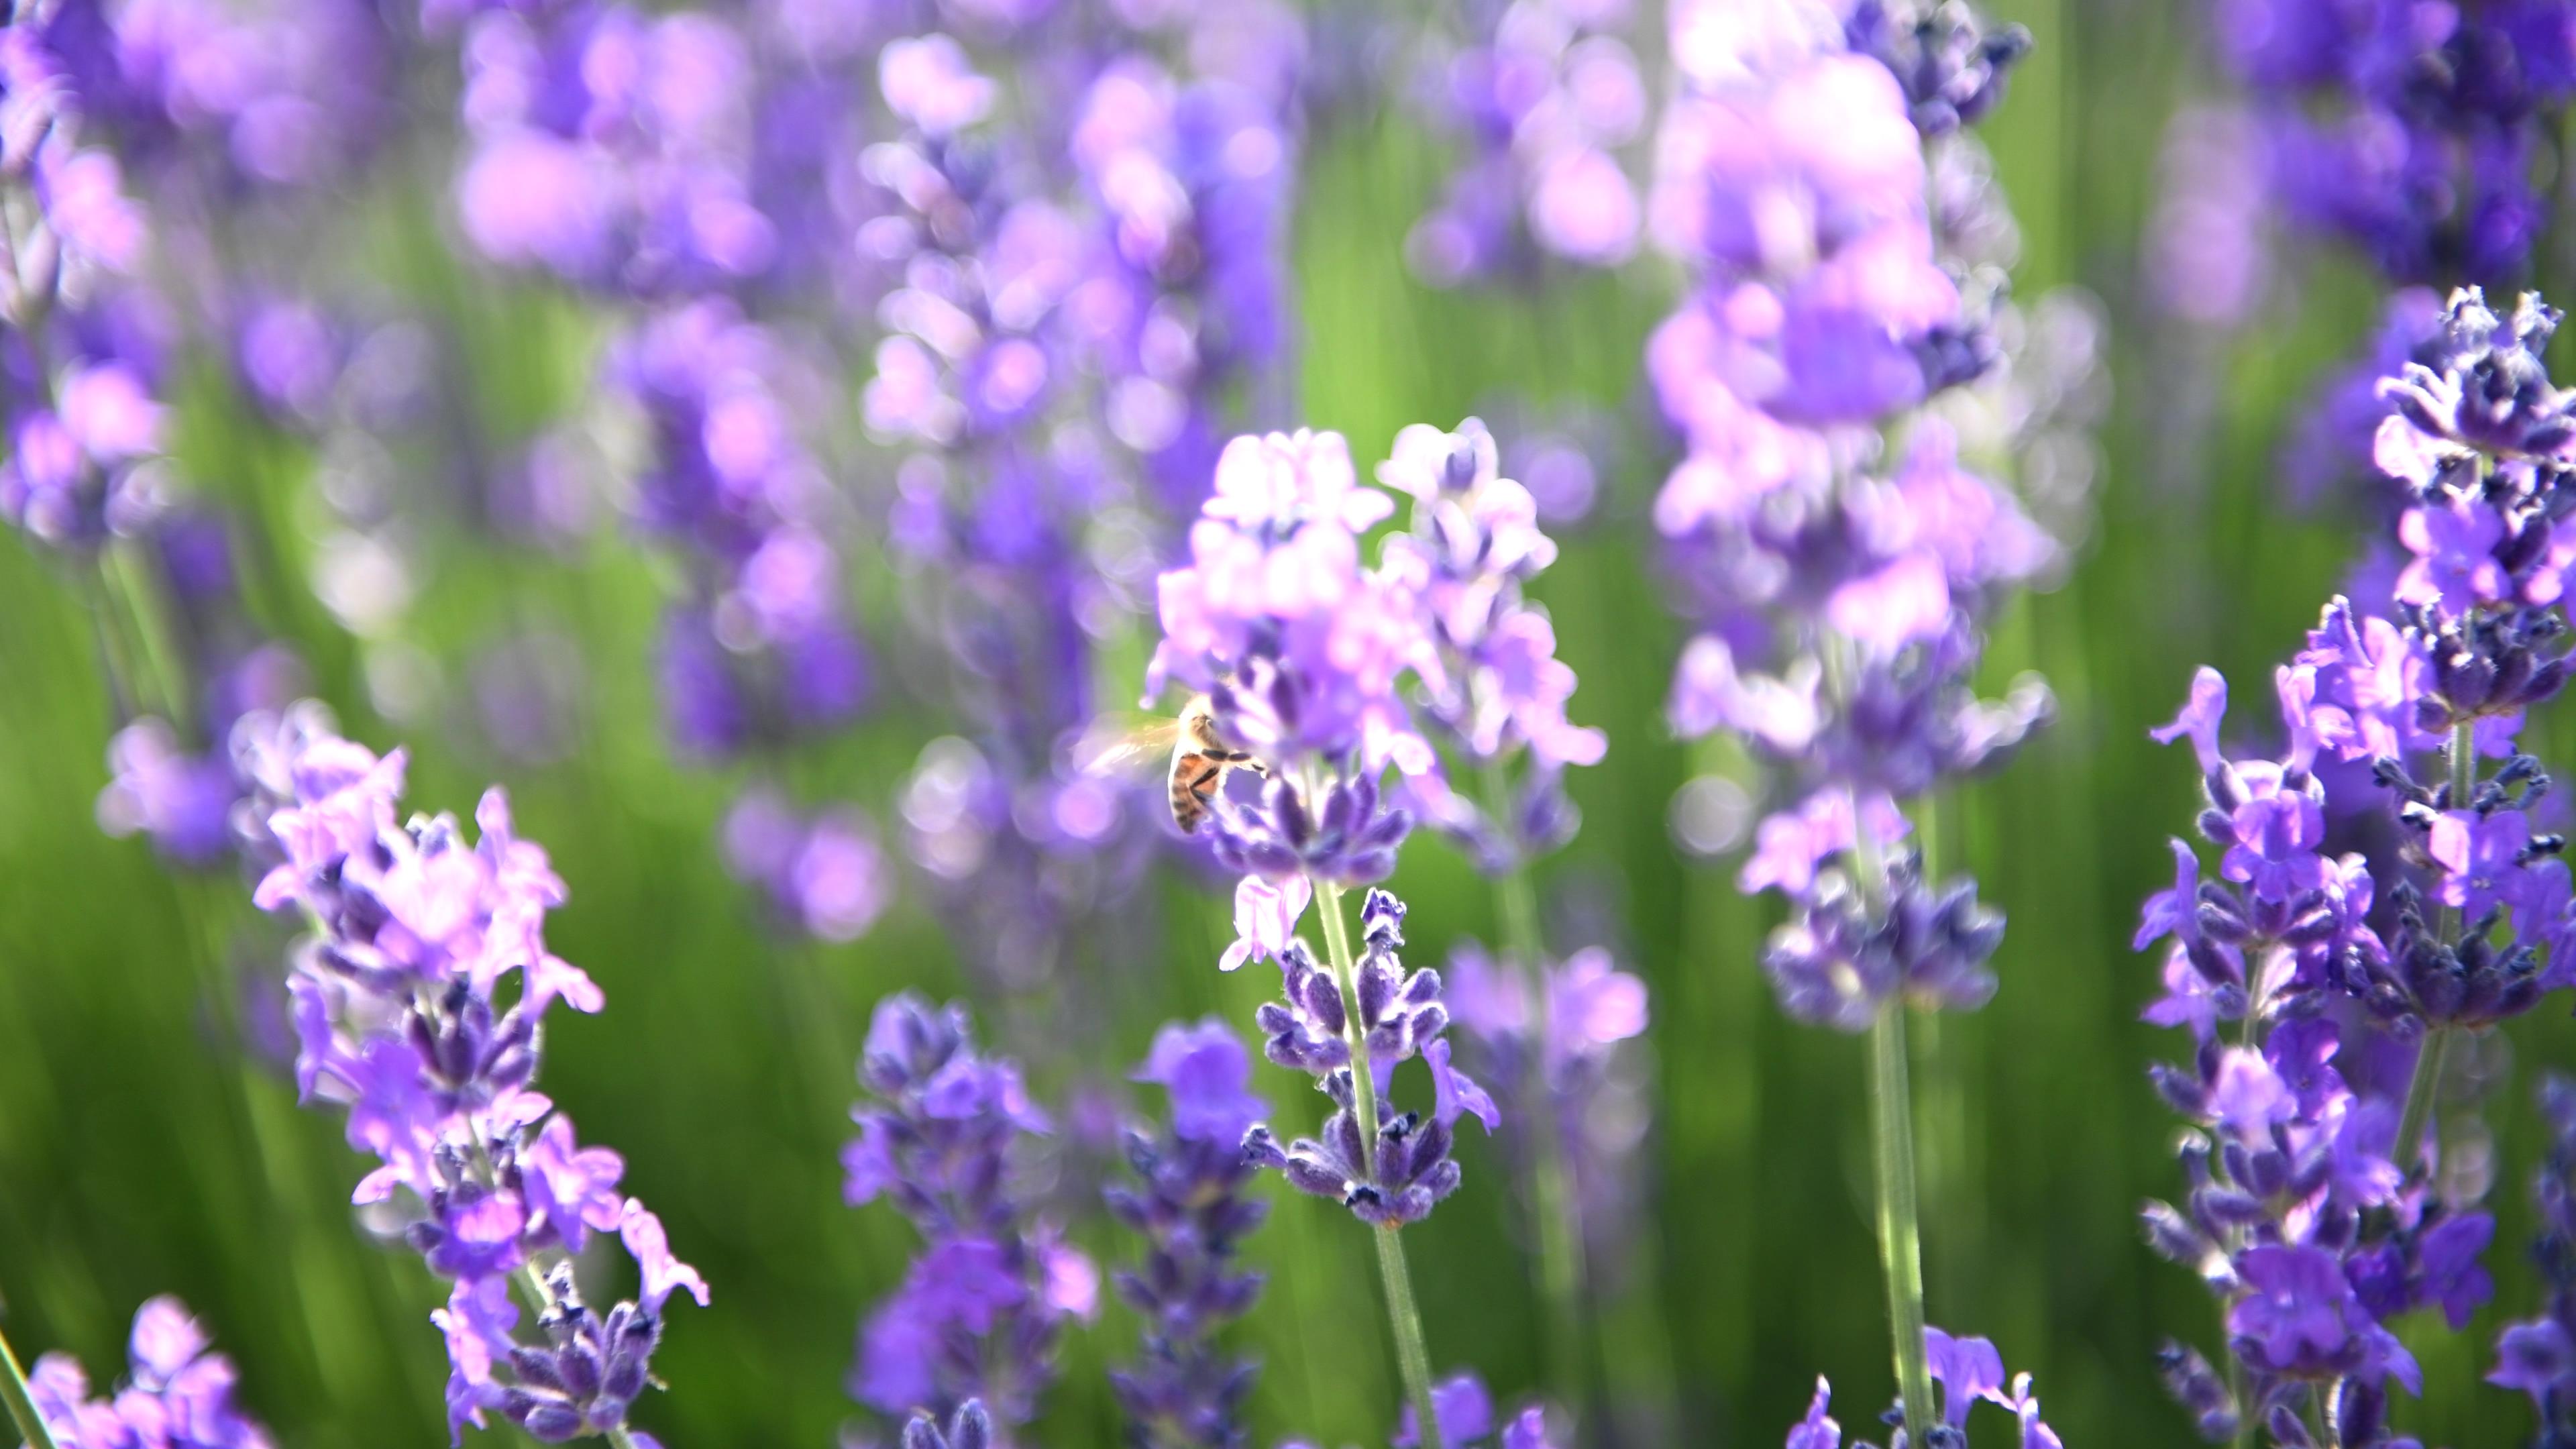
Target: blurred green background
x,y
139,1155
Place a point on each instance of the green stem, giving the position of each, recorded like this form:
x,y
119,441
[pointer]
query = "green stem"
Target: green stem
x,y
1412,1357
22,1400
1560,1235
1412,1354
2421,1089
127,585
1900,1248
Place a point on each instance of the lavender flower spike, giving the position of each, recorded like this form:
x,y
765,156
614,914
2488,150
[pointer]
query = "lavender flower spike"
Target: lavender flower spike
x,y
401,1017
2538,1355
1969,1371
177,1394
1303,652
1184,1391
977,1318
1399,1015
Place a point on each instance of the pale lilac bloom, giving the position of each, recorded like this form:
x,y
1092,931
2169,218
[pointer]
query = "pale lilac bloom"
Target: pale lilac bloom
x,y
1265,918
396,1018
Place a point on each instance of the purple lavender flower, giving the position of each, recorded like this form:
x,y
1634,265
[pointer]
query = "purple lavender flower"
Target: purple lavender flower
x,y
976,1318
1189,1206
612,148
1843,956
1551,1054
399,1018
2538,1355
1399,1014
2413,137
178,1393
825,876
1969,1371
969,1428
766,649
1502,692
1792,554
1192,179
1542,96
1302,652
1952,66
1464,1412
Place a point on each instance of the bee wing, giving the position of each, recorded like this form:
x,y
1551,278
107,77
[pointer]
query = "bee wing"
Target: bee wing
x,y
1139,746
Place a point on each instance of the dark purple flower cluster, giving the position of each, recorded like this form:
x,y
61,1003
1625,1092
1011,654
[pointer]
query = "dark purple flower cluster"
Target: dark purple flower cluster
x,y
1396,1014
2416,133
1844,954
1188,1203
402,1018
2316,1213
2538,1355
177,1394
1541,96
977,1317
1968,1370
1952,65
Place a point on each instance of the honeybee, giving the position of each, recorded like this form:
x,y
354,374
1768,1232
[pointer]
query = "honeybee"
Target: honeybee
x,y
1197,756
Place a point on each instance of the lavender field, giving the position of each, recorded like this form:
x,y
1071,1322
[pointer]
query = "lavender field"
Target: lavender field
x,y
1898,667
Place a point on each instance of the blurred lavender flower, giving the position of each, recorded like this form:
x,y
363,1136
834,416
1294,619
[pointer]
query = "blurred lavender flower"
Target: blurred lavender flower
x,y
1969,1370
2207,261
1183,307
1797,561
765,648
178,1392
1844,955
977,1317
1550,1061
1463,1411
1542,96
399,1019
2538,1355
825,875
1189,1206
2414,135
969,1428
1953,67
1398,1014
611,147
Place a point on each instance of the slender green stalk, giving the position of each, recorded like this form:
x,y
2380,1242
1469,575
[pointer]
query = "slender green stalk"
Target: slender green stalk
x,y
1560,1232
2421,1089
1412,1358
1891,1118
1900,1247
1412,1354
22,1400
